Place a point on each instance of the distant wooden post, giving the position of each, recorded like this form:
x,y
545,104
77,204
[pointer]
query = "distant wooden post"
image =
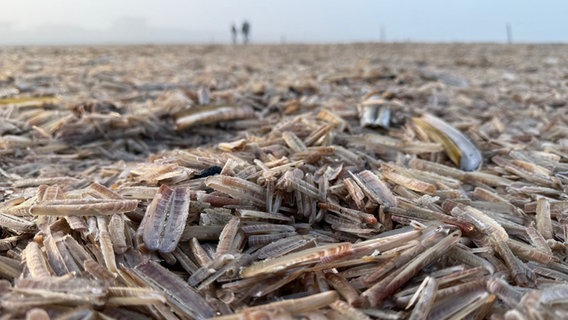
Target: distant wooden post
x,y
509,34
383,34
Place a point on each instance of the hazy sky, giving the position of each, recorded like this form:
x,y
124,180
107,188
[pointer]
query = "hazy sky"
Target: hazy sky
x,y
177,21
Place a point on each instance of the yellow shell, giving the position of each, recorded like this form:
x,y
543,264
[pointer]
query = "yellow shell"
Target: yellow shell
x,y
458,147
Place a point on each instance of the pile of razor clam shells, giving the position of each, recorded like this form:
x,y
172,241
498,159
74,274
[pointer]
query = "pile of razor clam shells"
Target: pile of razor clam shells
x,y
364,181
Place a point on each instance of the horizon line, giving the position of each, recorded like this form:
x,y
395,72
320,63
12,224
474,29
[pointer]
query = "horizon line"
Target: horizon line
x,y
271,43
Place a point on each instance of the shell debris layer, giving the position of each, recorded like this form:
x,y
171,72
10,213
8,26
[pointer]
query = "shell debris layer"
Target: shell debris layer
x,y
364,181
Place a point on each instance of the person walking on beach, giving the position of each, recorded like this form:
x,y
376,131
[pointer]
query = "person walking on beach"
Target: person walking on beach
x,y
245,30
234,33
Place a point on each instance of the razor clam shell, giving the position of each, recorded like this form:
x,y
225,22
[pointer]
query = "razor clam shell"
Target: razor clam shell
x,y
126,296
165,219
178,292
213,115
60,181
35,261
312,302
176,220
482,222
46,291
83,207
10,268
237,188
543,221
294,259
227,237
116,228
375,189
284,246
261,215
277,170
17,224
470,156
54,257
105,243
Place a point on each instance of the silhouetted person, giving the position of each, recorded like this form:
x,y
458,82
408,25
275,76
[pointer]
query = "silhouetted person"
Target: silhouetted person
x,y
246,30
234,33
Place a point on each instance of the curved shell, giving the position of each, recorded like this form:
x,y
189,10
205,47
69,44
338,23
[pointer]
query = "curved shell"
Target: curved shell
x,y
458,147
